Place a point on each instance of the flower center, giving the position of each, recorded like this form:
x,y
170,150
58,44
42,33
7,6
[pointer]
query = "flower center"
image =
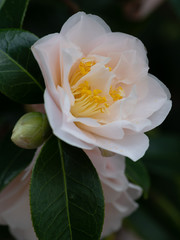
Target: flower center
x,y
89,101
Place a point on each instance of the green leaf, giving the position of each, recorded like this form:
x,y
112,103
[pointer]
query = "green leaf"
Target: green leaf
x,y
12,161
2,3
137,173
18,68
176,5
12,13
162,157
167,207
66,195
147,226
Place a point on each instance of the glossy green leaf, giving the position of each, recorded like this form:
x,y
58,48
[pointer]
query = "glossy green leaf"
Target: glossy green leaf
x,y
12,13
137,173
12,161
18,69
66,195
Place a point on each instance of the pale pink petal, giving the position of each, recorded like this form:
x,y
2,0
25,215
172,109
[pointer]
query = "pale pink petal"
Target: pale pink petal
x,y
130,67
82,29
67,131
127,234
158,117
98,78
15,205
18,218
111,131
138,141
119,194
112,221
69,54
156,97
55,61
118,44
134,191
46,52
104,164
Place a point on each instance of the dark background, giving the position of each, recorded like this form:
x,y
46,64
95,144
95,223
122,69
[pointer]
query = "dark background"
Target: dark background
x,y
158,216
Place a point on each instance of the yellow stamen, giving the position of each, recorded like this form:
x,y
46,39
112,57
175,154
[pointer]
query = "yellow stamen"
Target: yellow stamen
x,y
117,93
85,66
97,91
88,101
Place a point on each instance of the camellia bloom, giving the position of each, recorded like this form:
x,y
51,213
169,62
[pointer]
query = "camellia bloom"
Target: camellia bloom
x,y
15,206
98,90
119,196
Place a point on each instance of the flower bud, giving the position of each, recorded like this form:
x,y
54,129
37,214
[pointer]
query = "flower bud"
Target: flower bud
x,y
31,130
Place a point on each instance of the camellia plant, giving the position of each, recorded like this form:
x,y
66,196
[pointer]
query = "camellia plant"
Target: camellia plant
x,y
63,176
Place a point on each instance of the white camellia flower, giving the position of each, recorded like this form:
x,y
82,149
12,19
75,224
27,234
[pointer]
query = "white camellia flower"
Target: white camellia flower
x,y
98,90
15,206
119,196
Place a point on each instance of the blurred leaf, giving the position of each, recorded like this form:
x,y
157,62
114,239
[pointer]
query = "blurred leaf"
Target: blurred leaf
x,y
111,237
2,3
147,226
12,161
170,211
137,173
176,6
162,157
66,195
18,68
12,13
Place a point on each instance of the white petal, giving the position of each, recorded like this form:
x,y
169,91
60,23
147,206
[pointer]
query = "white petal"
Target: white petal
x,y
130,67
134,191
83,30
112,138
111,131
125,204
98,78
119,194
67,131
106,165
156,97
69,54
46,52
15,206
18,218
111,173
133,146
158,117
115,45
112,220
